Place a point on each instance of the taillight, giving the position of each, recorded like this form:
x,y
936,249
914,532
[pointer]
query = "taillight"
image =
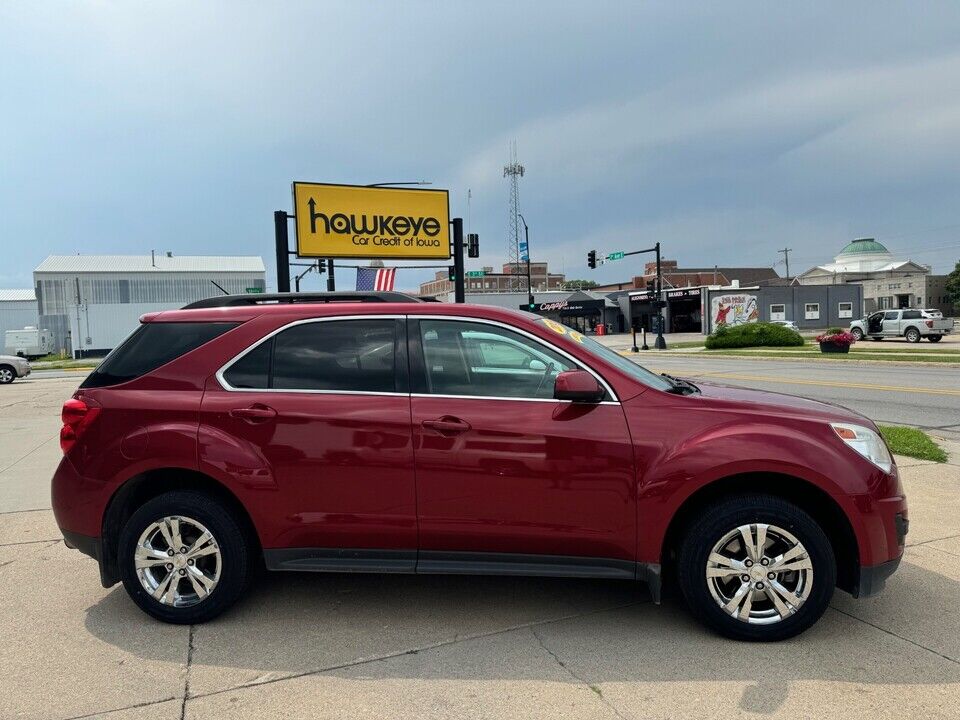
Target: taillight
x,y
77,415
929,323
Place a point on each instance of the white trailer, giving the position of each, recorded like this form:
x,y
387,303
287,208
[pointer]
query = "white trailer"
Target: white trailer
x,y
29,343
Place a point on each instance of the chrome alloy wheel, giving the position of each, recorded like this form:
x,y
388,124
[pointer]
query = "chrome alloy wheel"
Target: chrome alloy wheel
x,y
6,375
178,561
759,574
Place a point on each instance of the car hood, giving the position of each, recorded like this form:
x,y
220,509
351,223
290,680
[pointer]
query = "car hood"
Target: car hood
x,y
762,401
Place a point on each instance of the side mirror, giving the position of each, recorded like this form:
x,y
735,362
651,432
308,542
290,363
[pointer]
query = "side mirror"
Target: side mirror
x,y
578,386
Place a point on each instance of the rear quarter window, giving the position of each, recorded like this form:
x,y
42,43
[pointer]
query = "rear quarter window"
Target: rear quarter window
x,y
150,346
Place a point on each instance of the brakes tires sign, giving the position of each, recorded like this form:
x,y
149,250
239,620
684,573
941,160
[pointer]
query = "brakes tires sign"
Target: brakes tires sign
x,y
350,221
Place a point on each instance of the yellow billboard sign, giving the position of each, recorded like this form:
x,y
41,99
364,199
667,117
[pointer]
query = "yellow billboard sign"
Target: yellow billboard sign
x,y
350,221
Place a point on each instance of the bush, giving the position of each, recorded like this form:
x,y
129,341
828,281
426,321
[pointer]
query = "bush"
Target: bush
x,y
753,335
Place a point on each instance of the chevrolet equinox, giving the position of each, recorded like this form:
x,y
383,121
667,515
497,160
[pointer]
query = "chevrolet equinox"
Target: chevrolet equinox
x,y
378,433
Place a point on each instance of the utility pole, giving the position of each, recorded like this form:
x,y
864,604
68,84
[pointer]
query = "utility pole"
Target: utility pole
x,y
786,259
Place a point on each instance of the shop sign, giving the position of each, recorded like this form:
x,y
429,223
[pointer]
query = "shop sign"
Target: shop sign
x,y
685,293
347,221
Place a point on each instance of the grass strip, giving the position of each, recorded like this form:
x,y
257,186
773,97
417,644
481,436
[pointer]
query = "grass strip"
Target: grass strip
x,y
912,443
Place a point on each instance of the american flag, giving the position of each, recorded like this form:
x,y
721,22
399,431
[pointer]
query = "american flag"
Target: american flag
x,y
375,279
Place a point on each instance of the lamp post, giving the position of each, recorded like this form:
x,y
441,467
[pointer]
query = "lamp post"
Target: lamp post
x,y
526,234
407,182
298,278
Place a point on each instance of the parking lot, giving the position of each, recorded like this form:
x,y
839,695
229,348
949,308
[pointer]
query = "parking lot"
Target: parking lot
x,y
447,646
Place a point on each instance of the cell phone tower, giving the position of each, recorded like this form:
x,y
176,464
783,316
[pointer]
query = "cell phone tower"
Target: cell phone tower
x,y
514,171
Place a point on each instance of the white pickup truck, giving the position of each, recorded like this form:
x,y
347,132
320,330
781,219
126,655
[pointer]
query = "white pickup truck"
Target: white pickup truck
x,y
909,323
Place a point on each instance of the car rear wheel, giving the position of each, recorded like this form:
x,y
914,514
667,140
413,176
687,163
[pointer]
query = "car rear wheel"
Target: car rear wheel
x,y
857,334
934,338
912,335
184,558
755,567
877,338
6,374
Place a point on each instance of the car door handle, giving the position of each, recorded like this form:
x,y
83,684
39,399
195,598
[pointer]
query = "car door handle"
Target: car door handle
x,y
447,425
254,413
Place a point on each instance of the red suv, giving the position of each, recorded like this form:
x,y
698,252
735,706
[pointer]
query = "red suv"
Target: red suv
x,y
378,433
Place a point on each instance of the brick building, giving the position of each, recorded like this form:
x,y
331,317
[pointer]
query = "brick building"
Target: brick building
x,y
541,280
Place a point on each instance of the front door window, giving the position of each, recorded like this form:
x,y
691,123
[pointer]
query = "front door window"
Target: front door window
x,y
471,359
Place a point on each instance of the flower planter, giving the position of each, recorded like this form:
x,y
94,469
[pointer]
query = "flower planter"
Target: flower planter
x,y
832,347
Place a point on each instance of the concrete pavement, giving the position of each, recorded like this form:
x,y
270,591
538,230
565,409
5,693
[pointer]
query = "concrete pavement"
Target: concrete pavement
x,y
342,646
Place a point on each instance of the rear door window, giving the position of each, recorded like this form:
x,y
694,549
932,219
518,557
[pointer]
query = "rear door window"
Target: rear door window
x,y
150,346
334,356
911,314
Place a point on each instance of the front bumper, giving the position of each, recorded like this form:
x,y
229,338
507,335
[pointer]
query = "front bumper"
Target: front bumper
x,y
874,577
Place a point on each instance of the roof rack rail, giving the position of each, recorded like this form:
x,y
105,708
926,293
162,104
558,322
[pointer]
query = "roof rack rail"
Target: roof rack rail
x,y
298,298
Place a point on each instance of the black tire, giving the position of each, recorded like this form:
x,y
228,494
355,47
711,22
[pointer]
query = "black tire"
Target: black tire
x,y
912,335
237,565
708,529
7,374
877,338
934,338
857,333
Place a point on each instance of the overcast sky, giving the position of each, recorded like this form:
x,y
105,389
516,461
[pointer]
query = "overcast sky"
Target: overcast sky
x,y
725,130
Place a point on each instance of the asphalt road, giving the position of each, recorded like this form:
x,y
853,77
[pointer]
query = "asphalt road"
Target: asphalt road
x,y
926,397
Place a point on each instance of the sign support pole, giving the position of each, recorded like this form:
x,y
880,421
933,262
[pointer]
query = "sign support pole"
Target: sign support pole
x,y
283,250
459,293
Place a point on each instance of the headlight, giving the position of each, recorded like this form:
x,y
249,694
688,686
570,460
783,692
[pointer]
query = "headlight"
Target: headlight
x,y
866,442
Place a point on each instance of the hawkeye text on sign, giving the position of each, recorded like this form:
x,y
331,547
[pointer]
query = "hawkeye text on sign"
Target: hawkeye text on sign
x,y
349,221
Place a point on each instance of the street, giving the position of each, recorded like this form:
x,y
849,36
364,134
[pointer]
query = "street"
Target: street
x,y
924,396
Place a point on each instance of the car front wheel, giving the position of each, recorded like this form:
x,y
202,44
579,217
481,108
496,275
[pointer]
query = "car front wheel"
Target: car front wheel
x,y
184,558
6,374
857,334
756,567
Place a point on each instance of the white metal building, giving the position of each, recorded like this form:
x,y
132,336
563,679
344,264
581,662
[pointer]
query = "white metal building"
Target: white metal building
x,y
92,302
18,309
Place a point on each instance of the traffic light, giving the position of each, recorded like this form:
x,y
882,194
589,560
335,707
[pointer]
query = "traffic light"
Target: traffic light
x,y
452,272
473,245
592,259
651,286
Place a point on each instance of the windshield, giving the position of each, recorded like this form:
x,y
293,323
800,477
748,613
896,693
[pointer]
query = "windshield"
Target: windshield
x,y
610,356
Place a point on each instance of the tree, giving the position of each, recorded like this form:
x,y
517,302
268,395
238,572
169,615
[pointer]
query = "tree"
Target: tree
x,y
579,284
953,286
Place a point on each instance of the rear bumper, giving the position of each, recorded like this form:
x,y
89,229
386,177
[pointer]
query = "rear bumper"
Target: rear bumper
x,y
92,547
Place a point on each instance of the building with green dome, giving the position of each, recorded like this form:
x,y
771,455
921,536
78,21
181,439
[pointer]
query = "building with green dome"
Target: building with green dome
x,y
887,281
